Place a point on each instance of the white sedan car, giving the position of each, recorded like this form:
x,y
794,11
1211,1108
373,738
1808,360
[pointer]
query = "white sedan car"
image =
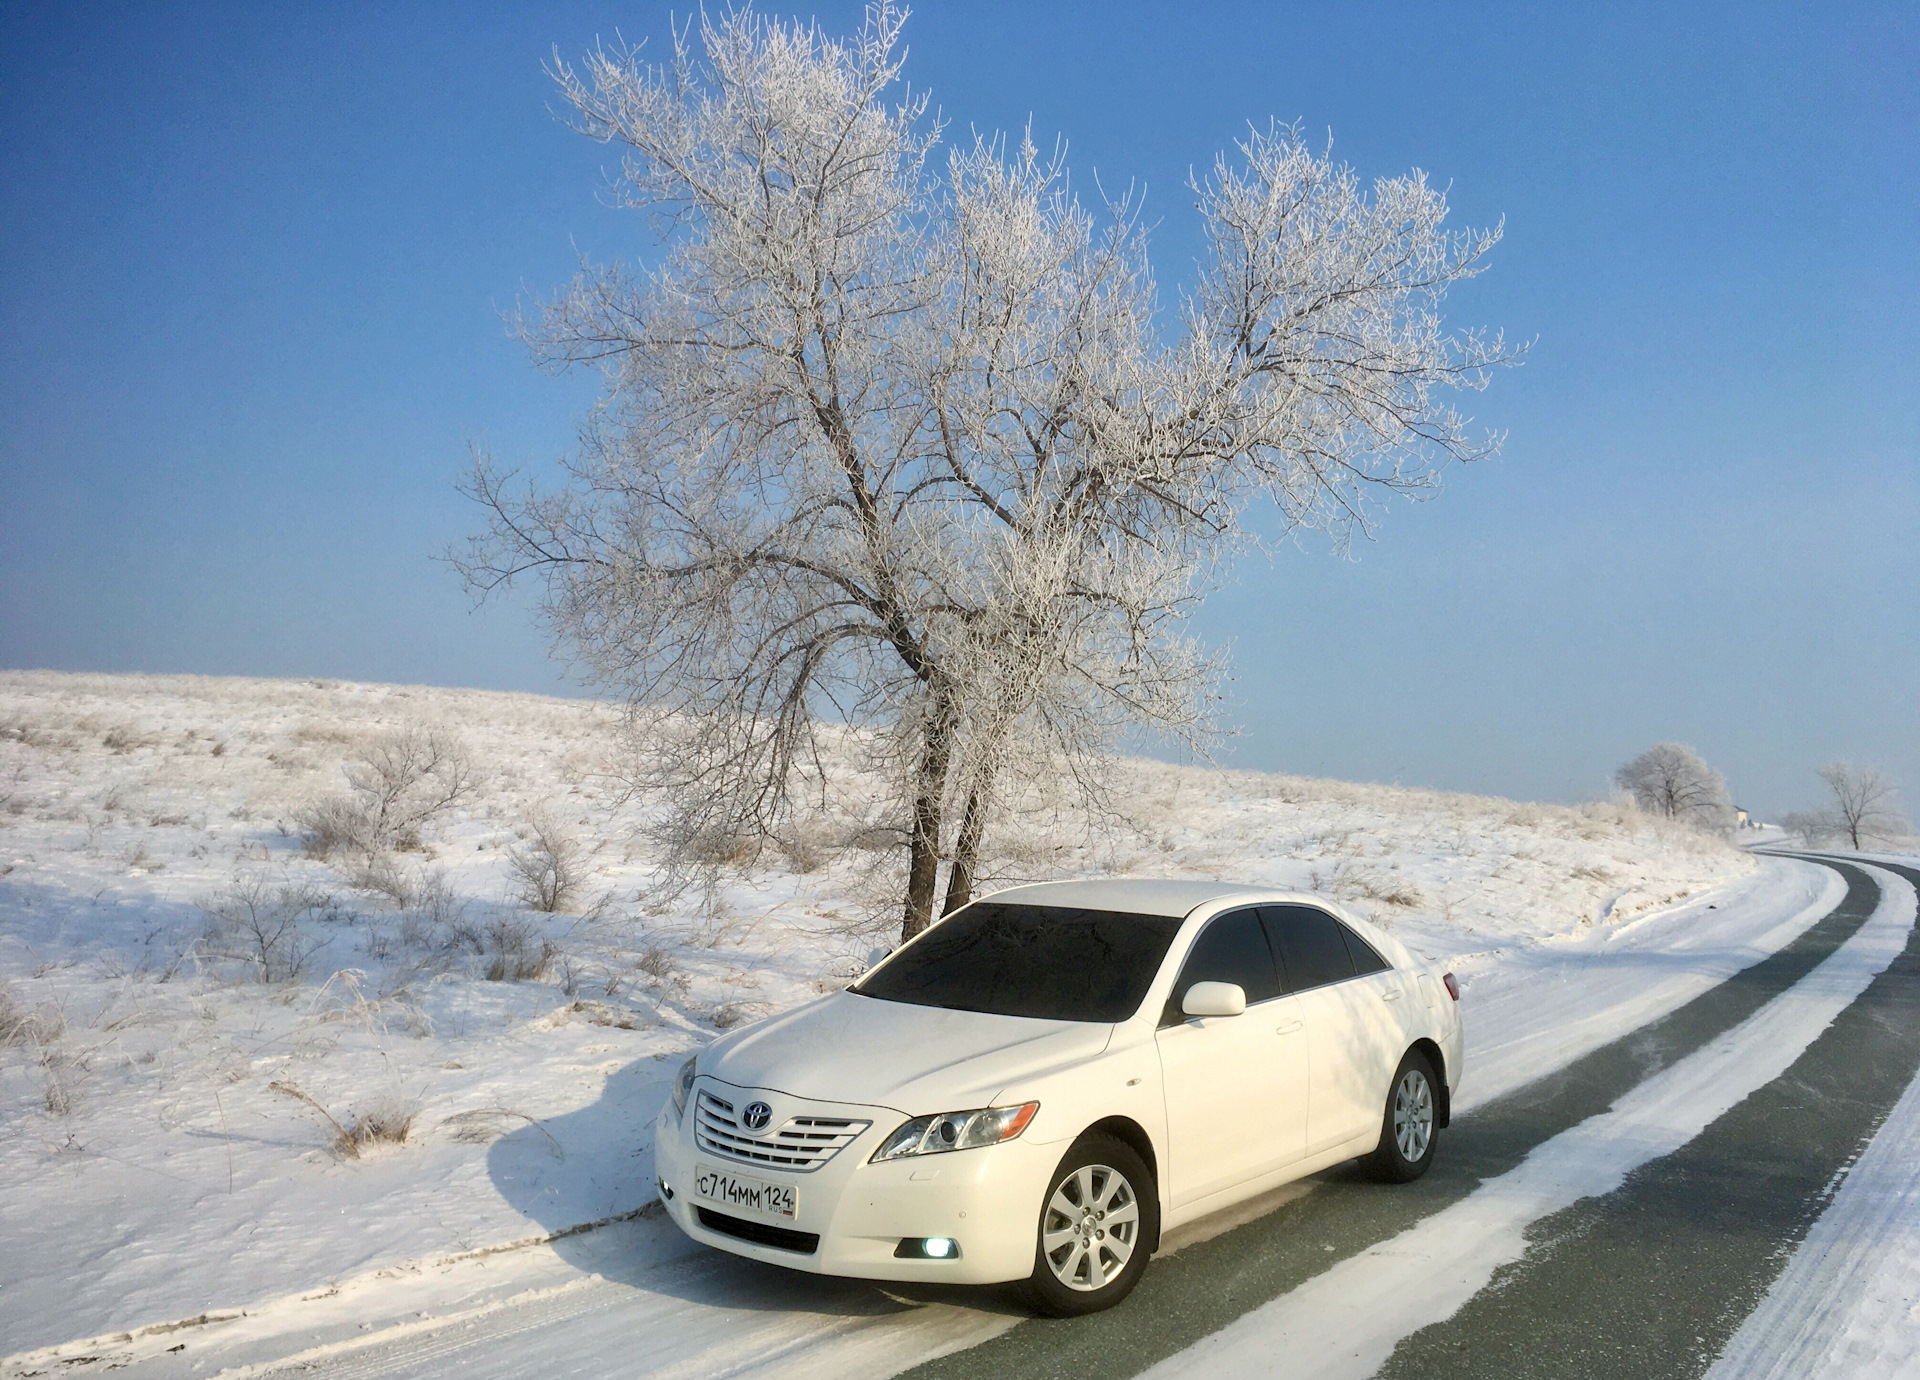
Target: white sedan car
x,y
1040,1084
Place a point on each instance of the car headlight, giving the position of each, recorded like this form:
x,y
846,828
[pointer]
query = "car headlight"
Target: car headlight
x,y
935,1135
683,1086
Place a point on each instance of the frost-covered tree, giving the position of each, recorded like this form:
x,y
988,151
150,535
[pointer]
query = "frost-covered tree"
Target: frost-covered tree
x,y
1669,779
1811,825
905,445
1863,804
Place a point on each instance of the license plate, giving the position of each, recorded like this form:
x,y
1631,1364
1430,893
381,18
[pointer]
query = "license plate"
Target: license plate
x,y
740,1191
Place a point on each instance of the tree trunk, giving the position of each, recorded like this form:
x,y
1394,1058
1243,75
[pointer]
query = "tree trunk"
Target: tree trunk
x,y
923,849
966,852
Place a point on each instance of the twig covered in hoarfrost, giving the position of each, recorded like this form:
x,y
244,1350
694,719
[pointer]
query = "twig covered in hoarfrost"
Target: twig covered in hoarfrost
x,y
905,448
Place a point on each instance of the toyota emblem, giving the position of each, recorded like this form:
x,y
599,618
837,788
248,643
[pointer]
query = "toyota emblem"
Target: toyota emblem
x,y
756,1117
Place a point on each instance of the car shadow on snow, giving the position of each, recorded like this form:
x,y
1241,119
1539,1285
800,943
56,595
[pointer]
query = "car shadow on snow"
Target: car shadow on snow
x,y
596,1163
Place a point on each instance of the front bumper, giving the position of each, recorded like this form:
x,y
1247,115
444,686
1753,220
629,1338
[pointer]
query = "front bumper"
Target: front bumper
x,y
987,1200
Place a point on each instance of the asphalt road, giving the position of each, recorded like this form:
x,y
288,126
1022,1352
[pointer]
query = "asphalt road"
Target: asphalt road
x,y
1653,1279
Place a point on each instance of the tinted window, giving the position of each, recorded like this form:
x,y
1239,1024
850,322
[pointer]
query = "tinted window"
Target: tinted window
x,y
1232,948
1052,962
1312,944
1366,959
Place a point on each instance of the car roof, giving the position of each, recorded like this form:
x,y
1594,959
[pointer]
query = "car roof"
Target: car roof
x,y
1137,895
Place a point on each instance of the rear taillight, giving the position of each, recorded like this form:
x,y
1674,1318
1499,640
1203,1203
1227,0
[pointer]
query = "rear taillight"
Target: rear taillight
x,y
1453,987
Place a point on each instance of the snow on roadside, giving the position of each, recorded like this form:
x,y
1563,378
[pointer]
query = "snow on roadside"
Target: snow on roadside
x,y
1539,1007
157,1164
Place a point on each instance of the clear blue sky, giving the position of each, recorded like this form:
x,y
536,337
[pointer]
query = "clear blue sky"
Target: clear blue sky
x,y
252,259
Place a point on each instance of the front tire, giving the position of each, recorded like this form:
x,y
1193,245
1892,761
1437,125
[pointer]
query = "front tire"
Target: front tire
x,y
1409,1129
1098,1222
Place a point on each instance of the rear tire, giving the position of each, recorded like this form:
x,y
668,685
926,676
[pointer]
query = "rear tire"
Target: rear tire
x,y
1098,1222
1410,1126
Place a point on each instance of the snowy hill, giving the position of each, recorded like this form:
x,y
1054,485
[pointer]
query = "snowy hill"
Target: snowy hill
x,y
235,1064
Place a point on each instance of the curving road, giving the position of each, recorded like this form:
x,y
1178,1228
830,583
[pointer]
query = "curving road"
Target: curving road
x,y
1624,1216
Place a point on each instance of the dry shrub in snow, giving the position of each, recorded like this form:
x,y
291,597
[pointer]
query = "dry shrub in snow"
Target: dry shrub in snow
x,y
660,969
717,847
434,920
385,1121
397,784
547,868
121,741
262,923
515,952
806,846
332,825
21,1024
602,1013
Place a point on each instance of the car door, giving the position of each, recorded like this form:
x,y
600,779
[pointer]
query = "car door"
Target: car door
x,y
1353,1030
1384,996
1235,1086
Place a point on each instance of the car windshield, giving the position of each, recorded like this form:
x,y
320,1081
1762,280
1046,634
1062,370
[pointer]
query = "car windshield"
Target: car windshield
x,y
1057,963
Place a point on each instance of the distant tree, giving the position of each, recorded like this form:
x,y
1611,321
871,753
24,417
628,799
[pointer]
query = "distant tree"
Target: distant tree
x,y
1863,804
1811,825
916,450
1669,779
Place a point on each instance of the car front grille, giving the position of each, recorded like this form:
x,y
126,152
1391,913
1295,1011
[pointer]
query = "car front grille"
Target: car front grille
x,y
802,1144
760,1233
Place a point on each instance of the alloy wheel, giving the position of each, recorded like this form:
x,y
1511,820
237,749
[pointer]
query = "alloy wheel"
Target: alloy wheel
x,y
1413,1115
1092,1226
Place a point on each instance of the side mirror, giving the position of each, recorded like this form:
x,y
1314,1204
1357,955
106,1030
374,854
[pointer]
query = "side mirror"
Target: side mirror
x,y
1214,999
875,958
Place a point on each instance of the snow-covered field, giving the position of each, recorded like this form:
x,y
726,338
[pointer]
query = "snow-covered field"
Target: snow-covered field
x,y
178,1134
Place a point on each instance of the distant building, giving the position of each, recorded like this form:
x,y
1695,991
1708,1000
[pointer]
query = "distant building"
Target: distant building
x,y
1740,818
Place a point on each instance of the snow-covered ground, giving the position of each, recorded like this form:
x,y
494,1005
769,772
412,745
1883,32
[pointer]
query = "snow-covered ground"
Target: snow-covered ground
x,y
169,1122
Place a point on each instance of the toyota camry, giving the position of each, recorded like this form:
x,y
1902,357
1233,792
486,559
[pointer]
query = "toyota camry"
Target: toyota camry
x,y
1036,1087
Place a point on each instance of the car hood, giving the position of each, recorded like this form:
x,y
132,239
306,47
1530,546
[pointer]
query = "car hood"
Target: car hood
x,y
916,1060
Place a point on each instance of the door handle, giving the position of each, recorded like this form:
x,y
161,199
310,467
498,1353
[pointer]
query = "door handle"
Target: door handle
x,y
1288,1028
1391,994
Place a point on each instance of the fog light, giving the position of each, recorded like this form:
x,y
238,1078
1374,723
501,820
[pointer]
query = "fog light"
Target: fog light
x,y
666,1190
927,1248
